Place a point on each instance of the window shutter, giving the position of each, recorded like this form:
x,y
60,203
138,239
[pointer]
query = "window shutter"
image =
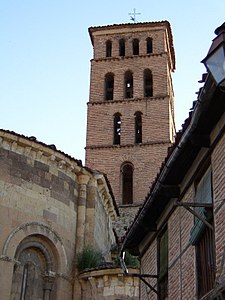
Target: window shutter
x,y
203,195
204,189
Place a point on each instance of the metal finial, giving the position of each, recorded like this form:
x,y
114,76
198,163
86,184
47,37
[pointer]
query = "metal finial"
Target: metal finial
x,y
133,15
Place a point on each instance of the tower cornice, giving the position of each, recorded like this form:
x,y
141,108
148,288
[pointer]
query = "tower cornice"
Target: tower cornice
x,y
126,27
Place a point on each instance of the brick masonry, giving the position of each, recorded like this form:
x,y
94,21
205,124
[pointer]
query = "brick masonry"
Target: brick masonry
x,y
157,112
182,274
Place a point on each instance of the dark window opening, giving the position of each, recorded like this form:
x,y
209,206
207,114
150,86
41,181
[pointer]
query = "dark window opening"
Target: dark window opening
x,y
148,83
108,49
205,256
128,85
138,127
122,47
149,45
117,129
127,183
109,85
24,283
135,47
163,265
203,237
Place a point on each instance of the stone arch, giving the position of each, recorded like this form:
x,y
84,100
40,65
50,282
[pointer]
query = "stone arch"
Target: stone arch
x,y
34,273
32,242
48,236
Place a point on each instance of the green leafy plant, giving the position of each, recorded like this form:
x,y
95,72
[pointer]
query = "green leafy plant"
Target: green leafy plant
x,y
131,261
88,258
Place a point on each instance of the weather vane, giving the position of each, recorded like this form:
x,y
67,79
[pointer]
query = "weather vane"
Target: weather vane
x,y
133,15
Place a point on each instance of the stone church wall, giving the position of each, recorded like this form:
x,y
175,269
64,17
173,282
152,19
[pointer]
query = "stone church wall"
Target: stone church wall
x,y
38,211
48,211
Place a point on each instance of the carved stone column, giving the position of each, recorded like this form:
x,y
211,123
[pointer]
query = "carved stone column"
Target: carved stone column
x,y
48,285
80,231
90,211
81,212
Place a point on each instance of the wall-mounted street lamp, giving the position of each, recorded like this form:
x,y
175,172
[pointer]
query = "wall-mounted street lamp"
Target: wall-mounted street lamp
x,y
215,59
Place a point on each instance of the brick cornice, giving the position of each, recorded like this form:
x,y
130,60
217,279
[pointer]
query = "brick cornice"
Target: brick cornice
x,y
128,145
128,100
122,58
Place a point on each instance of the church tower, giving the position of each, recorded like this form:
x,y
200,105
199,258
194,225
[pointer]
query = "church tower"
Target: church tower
x,y
130,121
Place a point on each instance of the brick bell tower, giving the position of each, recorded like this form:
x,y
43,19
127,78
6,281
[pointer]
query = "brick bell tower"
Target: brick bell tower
x,y
130,121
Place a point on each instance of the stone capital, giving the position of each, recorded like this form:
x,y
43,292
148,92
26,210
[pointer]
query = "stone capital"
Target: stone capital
x,y
83,179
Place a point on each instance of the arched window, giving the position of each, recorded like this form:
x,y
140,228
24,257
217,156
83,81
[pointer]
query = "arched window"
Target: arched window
x,y
108,48
148,83
138,127
135,47
35,258
127,183
128,82
149,45
109,85
122,47
117,129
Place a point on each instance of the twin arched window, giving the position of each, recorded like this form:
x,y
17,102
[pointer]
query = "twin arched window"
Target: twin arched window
x,y
117,128
127,183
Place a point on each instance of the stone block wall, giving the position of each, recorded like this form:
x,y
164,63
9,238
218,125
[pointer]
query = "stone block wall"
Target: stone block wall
x,y
109,284
38,202
50,208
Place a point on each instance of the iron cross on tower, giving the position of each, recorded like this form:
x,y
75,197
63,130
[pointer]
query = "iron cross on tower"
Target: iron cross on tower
x,y
133,15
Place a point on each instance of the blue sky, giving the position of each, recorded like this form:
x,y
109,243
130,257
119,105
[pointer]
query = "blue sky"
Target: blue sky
x,y
45,53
